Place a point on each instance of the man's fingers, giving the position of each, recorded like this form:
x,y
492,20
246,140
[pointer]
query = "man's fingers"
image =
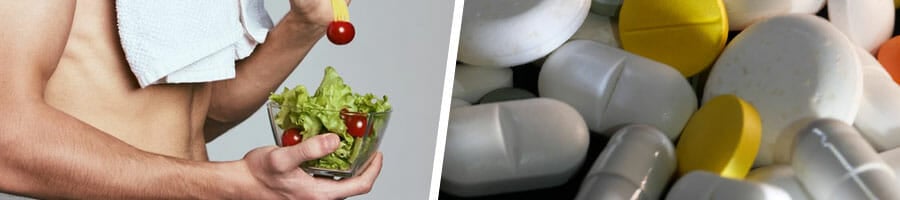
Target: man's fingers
x,y
357,185
288,158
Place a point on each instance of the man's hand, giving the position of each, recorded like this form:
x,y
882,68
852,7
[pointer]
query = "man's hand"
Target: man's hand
x,y
317,12
276,169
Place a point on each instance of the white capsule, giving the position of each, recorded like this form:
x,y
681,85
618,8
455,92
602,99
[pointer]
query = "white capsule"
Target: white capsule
x,y
702,185
505,33
636,164
512,146
470,83
868,23
833,161
806,6
879,111
611,87
742,13
781,176
790,68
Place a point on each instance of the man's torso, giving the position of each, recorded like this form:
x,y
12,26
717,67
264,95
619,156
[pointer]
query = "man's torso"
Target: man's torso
x,y
94,84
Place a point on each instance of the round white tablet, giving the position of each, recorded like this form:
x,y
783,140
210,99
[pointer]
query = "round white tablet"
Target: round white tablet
x,y
505,33
789,68
868,23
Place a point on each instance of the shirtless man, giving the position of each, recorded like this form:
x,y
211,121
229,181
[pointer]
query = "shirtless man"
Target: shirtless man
x,y
75,123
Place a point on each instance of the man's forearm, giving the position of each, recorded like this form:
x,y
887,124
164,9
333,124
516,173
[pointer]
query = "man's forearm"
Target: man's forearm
x,y
261,73
49,154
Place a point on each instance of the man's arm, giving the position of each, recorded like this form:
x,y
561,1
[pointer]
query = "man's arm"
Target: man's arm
x,y
49,154
270,64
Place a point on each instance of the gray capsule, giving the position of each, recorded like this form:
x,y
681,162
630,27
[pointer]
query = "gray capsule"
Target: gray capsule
x,y
636,164
833,161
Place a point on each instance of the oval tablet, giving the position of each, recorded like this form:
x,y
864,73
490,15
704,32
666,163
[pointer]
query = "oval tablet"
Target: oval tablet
x,y
789,68
687,35
742,13
879,113
470,83
833,161
781,176
889,57
512,146
505,33
702,185
721,138
636,164
868,23
611,87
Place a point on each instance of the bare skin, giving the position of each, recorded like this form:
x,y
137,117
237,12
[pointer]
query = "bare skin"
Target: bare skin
x,y
82,128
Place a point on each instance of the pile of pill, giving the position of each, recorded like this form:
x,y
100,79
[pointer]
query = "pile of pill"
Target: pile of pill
x,y
700,99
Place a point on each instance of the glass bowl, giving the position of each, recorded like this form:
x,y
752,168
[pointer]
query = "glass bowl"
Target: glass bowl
x,y
361,148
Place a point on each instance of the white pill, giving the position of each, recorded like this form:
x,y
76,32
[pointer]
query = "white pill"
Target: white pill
x,y
833,161
781,176
454,103
611,87
600,29
790,68
606,7
892,158
742,13
505,33
868,23
879,113
636,164
702,185
806,6
470,83
512,146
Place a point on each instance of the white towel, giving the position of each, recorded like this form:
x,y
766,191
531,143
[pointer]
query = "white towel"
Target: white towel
x,y
178,41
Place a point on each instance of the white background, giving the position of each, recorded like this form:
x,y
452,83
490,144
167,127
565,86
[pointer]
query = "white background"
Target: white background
x,y
400,49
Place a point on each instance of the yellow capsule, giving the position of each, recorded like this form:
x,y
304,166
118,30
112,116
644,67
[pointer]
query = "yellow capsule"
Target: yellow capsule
x,y
687,35
722,138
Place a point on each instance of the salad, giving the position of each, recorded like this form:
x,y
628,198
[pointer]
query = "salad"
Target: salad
x,y
334,108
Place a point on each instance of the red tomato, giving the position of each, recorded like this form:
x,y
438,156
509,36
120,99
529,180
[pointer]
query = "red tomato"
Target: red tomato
x,y
291,137
340,32
356,123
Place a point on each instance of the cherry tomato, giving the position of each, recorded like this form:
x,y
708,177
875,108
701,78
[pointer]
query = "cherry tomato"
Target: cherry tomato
x,y
340,32
291,137
356,123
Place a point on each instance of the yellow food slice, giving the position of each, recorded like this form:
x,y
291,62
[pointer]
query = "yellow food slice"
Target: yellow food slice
x,y
722,137
687,35
341,12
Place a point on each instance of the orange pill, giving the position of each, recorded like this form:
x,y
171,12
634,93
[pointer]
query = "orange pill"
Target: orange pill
x,y
889,57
